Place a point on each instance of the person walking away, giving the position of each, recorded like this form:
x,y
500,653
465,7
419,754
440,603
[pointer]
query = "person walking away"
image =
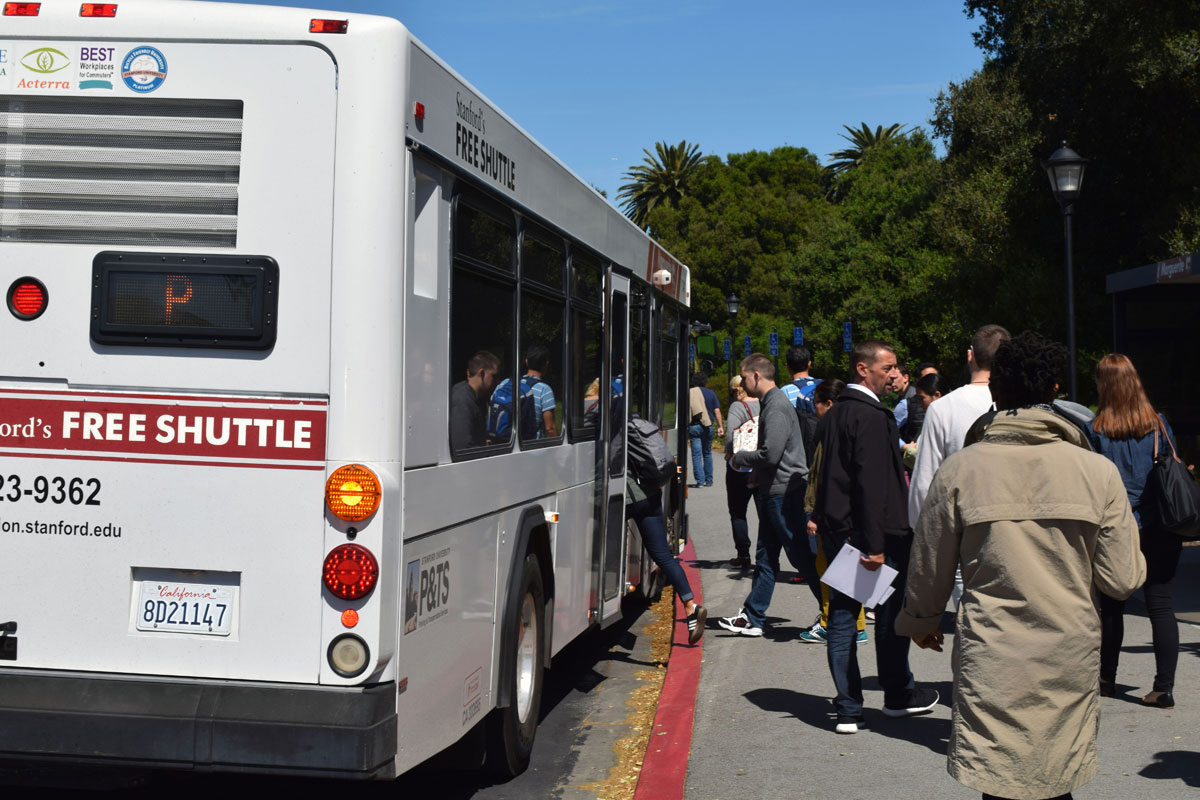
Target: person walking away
x,y
861,499
1036,522
644,507
1124,432
699,432
713,406
737,480
780,480
800,391
948,420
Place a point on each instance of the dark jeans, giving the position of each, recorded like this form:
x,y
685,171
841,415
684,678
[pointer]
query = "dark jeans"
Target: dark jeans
x,y
780,527
700,440
1162,551
891,649
737,496
649,518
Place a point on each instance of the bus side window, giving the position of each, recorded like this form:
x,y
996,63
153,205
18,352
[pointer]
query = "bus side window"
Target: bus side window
x,y
637,392
482,331
542,366
668,374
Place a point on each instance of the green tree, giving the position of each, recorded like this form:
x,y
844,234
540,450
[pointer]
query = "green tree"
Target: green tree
x,y
662,180
861,139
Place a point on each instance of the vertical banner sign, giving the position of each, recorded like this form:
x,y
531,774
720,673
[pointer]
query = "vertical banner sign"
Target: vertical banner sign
x,y
747,345
693,349
847,338
797,335
728,350
774,343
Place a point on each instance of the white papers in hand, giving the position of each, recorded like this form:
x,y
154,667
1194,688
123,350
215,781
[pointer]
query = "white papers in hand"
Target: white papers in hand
x,y
850,577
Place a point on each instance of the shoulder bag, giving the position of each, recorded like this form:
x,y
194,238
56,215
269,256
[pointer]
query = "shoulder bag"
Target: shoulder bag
x,y
1173,492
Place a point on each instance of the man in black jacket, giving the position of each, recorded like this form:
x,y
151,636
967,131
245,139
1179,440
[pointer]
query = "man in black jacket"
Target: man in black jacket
x,y
861,498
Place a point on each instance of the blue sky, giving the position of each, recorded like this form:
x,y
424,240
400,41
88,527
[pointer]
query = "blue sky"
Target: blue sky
x,y
595,82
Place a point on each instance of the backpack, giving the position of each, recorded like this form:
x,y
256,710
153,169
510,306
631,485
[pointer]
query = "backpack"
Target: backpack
x,y
498,422
806,386
650,461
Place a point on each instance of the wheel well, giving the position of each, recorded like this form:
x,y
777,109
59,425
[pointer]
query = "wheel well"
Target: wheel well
x,y
539,545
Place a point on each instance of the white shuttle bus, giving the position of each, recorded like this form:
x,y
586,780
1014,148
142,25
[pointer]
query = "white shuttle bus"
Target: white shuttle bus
x,y
314,376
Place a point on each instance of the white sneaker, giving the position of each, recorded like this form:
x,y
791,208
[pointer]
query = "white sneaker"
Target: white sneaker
x,y
740,623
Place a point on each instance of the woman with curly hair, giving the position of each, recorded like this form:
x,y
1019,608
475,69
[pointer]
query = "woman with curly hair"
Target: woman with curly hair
x,y
1125,430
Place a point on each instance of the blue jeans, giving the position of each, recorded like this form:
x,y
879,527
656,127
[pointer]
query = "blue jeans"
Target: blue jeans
x,y
891,649
700,439
649,518
780,527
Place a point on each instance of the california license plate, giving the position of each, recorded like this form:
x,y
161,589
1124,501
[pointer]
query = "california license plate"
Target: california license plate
x,y
171,607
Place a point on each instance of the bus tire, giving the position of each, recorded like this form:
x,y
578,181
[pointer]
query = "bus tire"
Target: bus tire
x,y
511,729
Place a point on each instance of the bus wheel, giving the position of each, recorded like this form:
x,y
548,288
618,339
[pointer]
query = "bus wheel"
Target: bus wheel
x,y
511,730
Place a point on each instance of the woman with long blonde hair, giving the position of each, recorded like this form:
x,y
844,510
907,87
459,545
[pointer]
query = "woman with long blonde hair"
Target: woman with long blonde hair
x,y
1124,430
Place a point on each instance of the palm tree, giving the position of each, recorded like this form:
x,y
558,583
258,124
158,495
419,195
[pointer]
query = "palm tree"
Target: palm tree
x,y
863,140
663,178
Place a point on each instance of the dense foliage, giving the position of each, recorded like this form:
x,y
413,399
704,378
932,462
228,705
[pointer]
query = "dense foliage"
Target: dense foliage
x,y
921,250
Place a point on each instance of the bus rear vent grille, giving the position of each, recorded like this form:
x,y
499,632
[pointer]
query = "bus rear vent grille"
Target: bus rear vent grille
x,y
120,171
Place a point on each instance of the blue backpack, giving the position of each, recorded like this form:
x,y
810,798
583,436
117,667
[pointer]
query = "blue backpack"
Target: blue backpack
x,y
806,386
499,424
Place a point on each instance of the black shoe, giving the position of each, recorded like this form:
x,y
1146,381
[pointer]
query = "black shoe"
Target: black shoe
x,y
1159,700
921,700
695,623
848,724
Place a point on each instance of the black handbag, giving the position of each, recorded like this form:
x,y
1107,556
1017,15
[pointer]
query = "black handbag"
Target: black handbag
x,y
1173,492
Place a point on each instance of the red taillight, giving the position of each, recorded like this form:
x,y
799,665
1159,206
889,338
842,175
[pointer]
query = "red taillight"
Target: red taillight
x,y
351,572
328,26
22,9
27,298
98,10
419,111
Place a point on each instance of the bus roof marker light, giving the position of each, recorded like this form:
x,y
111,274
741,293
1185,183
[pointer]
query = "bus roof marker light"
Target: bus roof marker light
x,y
98,10
352,493
328,26
350,571
27,298
22,9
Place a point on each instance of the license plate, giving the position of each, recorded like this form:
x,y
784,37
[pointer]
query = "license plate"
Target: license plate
x,y
170,607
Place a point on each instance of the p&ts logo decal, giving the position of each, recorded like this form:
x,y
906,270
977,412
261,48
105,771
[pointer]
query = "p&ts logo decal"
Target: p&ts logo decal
x,y
45,60
144,69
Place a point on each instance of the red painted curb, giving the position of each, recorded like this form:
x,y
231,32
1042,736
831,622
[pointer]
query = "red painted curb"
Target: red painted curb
x,y
664,767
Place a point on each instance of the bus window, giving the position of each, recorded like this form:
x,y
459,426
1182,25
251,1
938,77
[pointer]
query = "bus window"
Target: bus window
x,y
616,406
637,390
586,281
668,375
542,368
542,258
585,344
482,332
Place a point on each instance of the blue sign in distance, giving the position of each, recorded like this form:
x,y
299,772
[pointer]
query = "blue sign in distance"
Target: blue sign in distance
x,y
747,345
693,348
774,343
847,338
797,335
728,350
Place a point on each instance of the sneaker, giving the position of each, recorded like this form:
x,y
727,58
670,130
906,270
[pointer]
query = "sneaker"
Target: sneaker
x,y
848,724
740,562
695,622
740,623
921,700
814,635
861,638
870,615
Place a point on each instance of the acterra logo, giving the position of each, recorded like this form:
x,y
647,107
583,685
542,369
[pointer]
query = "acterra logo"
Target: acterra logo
x,y
45,60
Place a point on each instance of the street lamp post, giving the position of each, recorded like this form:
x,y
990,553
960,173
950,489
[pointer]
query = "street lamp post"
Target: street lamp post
x,y
731,305
1065,170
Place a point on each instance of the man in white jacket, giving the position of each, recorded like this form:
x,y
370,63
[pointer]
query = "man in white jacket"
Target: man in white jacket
x,y
949,417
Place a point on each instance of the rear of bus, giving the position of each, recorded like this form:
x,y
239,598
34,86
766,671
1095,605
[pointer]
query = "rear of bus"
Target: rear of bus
x,y
183,338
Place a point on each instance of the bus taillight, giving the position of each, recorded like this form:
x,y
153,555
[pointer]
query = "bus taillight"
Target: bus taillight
x,y
352,493
27,298
350,572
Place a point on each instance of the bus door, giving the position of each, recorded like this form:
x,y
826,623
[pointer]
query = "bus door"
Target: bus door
x,y
613,558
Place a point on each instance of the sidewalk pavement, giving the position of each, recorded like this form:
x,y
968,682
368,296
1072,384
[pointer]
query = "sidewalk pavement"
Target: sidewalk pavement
x,y
764,722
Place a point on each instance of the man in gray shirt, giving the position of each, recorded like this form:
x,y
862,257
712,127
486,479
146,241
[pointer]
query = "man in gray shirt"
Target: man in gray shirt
x,y
780,478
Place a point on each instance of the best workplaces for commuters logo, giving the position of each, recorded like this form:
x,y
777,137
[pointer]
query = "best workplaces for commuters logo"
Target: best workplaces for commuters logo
x,y
144,69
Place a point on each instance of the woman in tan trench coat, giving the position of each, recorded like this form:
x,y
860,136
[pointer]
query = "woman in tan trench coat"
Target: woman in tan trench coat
x,y
1037,523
